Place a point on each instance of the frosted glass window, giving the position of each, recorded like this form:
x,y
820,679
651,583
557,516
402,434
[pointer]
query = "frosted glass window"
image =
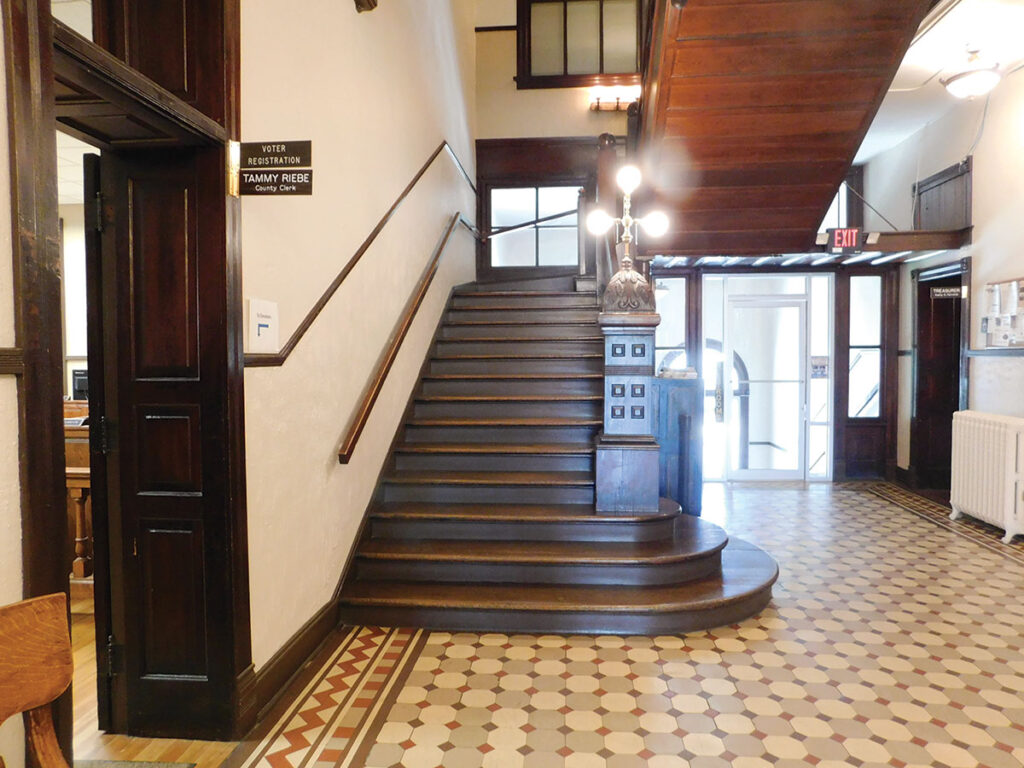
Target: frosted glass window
x,y
557,246
619,36
865,311
865,383
546,37
552,200
580,37
764,285
584,38
539,244
515,249
512,206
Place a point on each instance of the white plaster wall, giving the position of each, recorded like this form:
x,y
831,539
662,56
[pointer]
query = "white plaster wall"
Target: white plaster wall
x,y
504,112
495,13
392,84
75,315
998,179
11,734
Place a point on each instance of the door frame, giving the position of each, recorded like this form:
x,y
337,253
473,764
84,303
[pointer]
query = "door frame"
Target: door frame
x,y
764,302
28,31
961,267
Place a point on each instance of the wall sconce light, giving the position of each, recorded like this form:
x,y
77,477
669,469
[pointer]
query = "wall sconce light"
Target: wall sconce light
x,y
613,98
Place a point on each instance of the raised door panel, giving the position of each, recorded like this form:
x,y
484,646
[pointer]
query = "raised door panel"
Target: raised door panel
x,y
162,266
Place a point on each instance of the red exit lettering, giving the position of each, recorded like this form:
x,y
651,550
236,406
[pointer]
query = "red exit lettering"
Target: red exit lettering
x,y
843,239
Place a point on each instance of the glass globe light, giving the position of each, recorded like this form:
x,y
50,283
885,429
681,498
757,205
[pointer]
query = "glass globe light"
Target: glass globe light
x,y
655,223
599,222
628,179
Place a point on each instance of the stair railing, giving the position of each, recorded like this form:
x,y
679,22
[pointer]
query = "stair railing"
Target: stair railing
x,y
390,351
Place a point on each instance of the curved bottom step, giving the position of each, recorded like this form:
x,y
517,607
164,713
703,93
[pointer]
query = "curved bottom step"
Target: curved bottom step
x,y
743,589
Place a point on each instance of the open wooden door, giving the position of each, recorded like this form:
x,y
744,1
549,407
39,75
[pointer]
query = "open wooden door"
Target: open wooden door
x,y
157,296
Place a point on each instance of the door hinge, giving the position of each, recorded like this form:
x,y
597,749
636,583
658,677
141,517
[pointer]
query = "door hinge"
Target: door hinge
x,y
101,436
114,658
98,223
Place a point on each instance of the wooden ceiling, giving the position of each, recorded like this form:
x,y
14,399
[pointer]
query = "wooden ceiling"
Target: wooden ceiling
x,y
754,109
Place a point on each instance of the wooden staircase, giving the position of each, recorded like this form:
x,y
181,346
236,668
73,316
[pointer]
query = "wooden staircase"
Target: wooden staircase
x,y
484,517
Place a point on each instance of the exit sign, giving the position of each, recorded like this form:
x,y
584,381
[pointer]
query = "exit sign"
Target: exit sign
x,y
846,240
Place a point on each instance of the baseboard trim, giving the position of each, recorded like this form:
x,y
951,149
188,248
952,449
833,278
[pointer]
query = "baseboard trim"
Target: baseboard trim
x,y
273,677
903,477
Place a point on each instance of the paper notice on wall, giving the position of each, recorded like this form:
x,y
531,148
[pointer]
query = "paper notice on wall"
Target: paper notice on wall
x,y
992,296
1009,298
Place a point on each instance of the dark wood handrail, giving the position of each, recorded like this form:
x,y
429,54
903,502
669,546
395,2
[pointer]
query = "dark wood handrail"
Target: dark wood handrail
x,y
394,343
257,360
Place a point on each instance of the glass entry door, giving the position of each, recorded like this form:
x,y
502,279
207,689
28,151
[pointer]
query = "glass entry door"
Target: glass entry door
x,y
765,399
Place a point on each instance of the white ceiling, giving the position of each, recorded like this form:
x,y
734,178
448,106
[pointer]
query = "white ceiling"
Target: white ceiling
x,y
917,96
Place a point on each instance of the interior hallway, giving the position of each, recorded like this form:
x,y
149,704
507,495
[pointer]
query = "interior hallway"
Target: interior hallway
x,y
894,638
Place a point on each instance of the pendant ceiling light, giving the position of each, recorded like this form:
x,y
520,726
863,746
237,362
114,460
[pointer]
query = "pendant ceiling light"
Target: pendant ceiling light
x,y
976,80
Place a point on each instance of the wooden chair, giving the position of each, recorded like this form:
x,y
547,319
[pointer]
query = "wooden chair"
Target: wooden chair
x,y
36,667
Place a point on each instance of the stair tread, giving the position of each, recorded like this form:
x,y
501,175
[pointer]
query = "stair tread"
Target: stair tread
x,y
507,398
528,449
506,421
519,339
534,513
520,308
693,539
526,293
521,321
459,477
518,356
511,376
746,570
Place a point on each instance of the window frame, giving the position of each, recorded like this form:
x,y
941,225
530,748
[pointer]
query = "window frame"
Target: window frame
x,y
879,347
536,187
526,80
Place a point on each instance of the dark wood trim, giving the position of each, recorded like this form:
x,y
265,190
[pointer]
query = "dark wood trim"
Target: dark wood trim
x,y
278,358
28,50
925,240
964,168
91,68
393,346
497,28
855,203
997,352
12,361
273,678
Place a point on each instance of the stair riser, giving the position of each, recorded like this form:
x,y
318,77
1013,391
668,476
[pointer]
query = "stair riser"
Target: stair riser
x,y
443,434
485,387
512,365
556,622
566,282
493,409
526,530
581,300
507,462
517,316
479,494
559,347
539,330
640,575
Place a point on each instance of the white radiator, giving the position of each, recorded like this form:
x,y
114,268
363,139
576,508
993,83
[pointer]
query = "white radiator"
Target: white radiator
x,y
987,482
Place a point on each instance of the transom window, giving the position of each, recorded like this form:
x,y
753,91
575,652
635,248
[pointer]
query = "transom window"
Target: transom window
x,y
550,243
577,42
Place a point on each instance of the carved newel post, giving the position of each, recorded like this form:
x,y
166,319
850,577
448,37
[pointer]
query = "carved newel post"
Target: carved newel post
x,y
627,454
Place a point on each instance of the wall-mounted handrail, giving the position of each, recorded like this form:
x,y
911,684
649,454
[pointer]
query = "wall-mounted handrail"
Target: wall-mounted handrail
x,y
514,227
277,359
394,343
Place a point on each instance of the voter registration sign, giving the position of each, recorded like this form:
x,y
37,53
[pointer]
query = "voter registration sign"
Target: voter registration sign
x,y
276,168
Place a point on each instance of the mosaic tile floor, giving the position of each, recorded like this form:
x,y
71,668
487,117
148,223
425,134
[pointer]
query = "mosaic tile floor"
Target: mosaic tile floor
x,y
895,638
